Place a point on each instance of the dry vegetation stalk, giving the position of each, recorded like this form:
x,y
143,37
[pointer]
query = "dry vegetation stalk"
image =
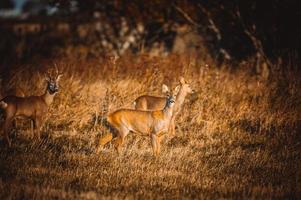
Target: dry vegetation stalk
x,y
237,137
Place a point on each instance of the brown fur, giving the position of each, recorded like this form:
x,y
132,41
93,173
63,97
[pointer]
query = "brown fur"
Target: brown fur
x,y
147,123
147,102
32,107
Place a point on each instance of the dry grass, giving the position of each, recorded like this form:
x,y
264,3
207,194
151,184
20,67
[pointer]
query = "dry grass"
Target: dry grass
x,y
238,136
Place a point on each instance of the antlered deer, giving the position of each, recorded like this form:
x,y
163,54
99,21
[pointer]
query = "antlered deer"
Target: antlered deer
x,y
151,103
147,123
16,91
32,107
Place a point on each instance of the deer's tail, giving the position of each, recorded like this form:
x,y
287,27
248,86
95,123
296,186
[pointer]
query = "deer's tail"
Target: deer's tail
x,y
3,105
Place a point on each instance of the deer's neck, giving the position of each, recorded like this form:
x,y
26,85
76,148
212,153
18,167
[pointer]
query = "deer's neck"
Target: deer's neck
x,y
47,97
180,100
168,111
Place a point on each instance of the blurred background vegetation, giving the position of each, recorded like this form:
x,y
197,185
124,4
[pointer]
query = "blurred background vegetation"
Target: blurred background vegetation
x,y
222,31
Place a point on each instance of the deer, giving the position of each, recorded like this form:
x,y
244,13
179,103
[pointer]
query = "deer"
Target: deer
x,y
17,91
152,103
148,102
146,123
32,107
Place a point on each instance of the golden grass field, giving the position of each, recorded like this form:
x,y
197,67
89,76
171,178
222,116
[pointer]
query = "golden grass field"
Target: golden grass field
x,y
237,137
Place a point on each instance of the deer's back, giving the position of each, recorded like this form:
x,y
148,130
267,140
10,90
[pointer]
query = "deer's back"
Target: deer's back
x,y
133,120
25,106
138,121
12,92
150,103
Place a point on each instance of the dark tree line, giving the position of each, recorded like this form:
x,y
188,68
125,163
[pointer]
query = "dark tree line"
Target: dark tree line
x,y
231,29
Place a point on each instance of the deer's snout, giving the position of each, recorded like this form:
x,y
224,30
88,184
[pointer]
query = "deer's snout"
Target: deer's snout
x,y
53,90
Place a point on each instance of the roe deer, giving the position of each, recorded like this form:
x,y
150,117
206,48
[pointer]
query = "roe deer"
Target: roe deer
x,y
147,123
17,91
146,102
151,103
32,107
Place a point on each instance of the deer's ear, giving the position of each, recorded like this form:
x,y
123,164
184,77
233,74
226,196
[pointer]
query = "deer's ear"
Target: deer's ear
x,y
47,78
176,91
165,89
59,77
182,80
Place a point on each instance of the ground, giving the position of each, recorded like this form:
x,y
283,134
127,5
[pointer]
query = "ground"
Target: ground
x,y
237,137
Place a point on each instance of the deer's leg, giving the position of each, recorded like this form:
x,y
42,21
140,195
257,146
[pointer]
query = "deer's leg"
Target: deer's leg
x,y
171,128
120,139
144,105
15,124
106,138
38,125
159,138
7,127
118,143
155,144
31,128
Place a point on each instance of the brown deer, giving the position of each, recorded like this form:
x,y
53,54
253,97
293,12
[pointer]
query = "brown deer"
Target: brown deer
x,y
148,102
32,107
151,103
147,123
16,91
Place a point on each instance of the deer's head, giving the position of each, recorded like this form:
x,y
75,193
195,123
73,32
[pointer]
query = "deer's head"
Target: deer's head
x,y
185,86
53,82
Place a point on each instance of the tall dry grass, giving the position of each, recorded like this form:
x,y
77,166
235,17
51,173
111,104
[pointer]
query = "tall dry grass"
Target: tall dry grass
x,y
237,137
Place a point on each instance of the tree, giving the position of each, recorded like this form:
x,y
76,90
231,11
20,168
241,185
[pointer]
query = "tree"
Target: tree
x,y
7,4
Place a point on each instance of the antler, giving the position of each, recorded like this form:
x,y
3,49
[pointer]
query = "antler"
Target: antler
x,y
56,71
58,74
48,75
52,73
